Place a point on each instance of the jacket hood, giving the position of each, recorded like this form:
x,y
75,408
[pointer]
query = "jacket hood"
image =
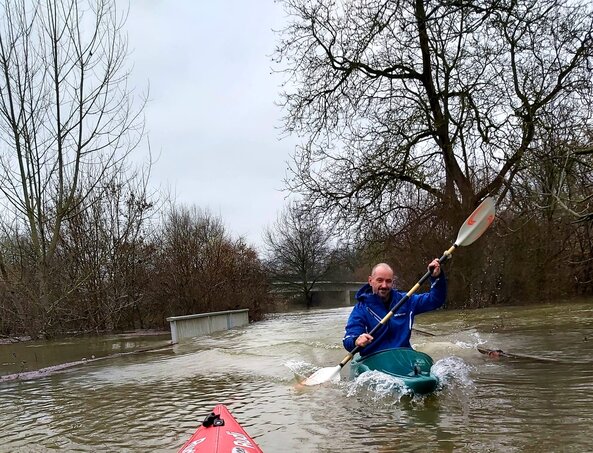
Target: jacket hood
x,y
365,295
364,292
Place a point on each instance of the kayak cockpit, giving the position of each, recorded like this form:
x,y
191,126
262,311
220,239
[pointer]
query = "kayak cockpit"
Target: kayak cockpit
x,y
411,366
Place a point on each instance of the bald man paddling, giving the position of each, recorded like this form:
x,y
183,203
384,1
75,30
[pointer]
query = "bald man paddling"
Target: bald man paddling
x,y
375,299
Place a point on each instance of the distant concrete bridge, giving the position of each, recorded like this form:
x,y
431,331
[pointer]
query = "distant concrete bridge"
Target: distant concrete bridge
x,y
344,289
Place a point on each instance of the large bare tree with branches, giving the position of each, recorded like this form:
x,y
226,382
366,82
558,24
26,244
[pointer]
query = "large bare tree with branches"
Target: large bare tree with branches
x,y
68,120
407,103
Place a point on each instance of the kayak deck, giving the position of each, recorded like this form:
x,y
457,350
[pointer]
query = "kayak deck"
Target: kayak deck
x,y
411,366
220,432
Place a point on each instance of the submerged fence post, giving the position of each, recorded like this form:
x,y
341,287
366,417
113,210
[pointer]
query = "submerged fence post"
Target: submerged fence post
x,y
190,326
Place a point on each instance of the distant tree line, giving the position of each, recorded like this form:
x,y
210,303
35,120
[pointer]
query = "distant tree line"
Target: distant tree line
x,y
411,112
83,248
115,269
529,255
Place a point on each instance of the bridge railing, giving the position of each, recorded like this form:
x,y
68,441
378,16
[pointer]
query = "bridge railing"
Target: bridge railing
x,y
323,288
190,326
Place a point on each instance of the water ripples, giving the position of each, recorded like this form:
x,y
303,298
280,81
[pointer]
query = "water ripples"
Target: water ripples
x,y
155,401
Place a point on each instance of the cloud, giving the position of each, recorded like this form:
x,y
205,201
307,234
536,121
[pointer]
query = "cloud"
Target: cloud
x,y
212,116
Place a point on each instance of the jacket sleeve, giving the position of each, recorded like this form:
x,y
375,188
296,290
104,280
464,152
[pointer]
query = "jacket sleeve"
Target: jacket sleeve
x,y
355,326
434,298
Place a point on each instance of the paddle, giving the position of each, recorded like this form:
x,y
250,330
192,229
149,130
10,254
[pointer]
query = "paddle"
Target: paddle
x,y
472,229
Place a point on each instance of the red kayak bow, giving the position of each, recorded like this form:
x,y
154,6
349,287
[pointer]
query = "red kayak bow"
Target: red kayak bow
x,y
220,433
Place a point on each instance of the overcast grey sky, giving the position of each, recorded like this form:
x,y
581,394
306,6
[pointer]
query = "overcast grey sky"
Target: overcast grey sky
x,y
211,115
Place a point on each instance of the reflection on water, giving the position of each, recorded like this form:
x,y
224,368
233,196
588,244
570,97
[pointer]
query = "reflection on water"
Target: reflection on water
x,y
155,400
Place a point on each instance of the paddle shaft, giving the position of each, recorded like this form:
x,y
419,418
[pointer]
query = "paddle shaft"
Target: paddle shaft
x,y
396,307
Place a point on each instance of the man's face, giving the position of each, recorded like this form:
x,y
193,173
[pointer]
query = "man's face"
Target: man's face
x,y
382,281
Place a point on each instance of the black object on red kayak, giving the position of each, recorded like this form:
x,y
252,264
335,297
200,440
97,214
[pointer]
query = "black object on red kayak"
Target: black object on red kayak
x,y
220,433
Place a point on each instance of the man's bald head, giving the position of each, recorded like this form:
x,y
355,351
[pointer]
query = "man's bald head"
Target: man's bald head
x,y
381,266
381,280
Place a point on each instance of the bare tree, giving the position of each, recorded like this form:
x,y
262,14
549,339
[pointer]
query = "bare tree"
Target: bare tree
x,y
67,117
413,103
299,250
105,255
199,268
191,249
573,190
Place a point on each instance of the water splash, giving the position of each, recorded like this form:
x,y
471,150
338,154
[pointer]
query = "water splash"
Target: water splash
x,y
309,375
472,342
320,345
300,368
453,372
377,386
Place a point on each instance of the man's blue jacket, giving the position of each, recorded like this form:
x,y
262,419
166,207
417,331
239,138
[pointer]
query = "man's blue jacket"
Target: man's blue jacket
x,y
370,309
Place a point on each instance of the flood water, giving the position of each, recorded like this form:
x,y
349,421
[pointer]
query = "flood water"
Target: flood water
x,y
153,401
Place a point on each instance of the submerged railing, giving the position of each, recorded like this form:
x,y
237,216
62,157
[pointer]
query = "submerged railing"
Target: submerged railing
x,y
190,326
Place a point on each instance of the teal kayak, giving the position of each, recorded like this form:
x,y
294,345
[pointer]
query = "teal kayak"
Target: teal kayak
x,y
412,367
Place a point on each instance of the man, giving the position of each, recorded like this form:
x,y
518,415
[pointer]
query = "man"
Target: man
x,y
377,298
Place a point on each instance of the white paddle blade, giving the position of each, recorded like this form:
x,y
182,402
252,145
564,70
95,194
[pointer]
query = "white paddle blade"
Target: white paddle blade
x,y
476,223
323,375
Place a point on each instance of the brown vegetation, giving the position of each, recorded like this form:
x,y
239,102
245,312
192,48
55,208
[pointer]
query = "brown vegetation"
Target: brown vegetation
x,y
78,250
413,112
122,276
521,259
